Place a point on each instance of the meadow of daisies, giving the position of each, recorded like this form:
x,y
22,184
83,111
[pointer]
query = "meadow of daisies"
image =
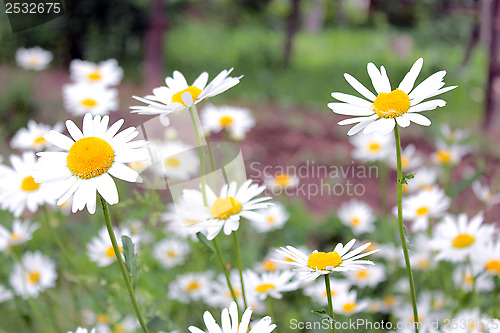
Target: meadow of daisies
x,y
109,227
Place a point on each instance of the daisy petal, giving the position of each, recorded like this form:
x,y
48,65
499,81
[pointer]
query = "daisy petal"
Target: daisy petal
x,y
359,87
409,80
418,119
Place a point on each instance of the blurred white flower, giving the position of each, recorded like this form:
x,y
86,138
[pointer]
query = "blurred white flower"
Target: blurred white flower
x,y
317,290
358,216
5,294
448,154
369,277
466,279
484,194
425,179
31,138
191,287
410,159
177,160
22,231
100,249
96,99
34,58
107,73
270,218
373,147
171,252
33,274
348,304
488,257
236,121
454,135
270,284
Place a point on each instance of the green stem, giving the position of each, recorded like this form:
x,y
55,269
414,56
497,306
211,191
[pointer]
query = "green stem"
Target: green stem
x,y
270,311
401,228
224,269
196,126
240,266
123,270
329,296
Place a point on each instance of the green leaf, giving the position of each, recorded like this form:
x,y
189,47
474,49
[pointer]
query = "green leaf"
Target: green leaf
x,y
323,314
405,178
203,240
130,260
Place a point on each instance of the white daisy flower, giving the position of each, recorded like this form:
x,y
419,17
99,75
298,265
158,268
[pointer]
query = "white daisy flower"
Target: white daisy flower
x,y
231,323
86,166
178,225
127,325
82,330
410,159
34,58
419,207
236,121
488,258
33,275
273,259
341,259
190,287
421,254
448,154
358,216
317,290
22,231
425,179
467,280
220,294
96,99
468,321
18,189
270,284
225,210
272,218
454,135
381,112
347,303
484,194
5,294
177,160
171,252
373,147
100,249
426,315
369,277
389,303
457,238
281,181
107,73
31,138
177,95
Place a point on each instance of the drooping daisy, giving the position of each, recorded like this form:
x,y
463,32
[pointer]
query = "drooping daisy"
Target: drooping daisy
x,y
231,323
96,99
31,138
358,216
177,160
101,251
225,210
86,166
419,207
178,95
369,277
348,304
341,259
5,294
82,330
410,160
484,194
270,284
466,279
107,73
272,218
455,238
18,189
171,252
281,181
425,178
488,258
176,224
22,231
190,287
236,121
373,147
453,135
380,113
34,58
448,154
33,275
317,290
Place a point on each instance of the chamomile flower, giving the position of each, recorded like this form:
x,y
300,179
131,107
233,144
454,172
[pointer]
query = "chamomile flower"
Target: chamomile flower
x,y
22,231
448,154
455,238
488,258
83,330
425,179
86,166
317,290
33,275
281,181
190,287
341,259
273,260
271,218
177,160
100,249
231,323
347,303
177,95
107,73
270,284
171,252
5,294
34,58
18,189
96,99
236,121
225,210
419,207
373,147
381,112
358,216
31,138
421,254
410,160
453,135
467,280
176,224
484,194
369,277
220,294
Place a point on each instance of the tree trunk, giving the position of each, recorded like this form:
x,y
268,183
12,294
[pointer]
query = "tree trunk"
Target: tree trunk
x,y
292,27
316,17
153,57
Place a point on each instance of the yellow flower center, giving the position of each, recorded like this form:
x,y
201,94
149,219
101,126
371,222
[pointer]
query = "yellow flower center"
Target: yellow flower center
x,y
226,121
28,184
136,165
39,141
33,277
363,274
468,278
493,266
89,102
355,221
349,307
282,180
171,254
15,236
193,286
90,157
222,209
34,60
332,293
270,219
94,76
443,156
110,252
172,162
102,319
422,211
194,91
269,266
389,301
423,263
119,328
404,162
265,287
321,260
391,105
373,147
463,240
